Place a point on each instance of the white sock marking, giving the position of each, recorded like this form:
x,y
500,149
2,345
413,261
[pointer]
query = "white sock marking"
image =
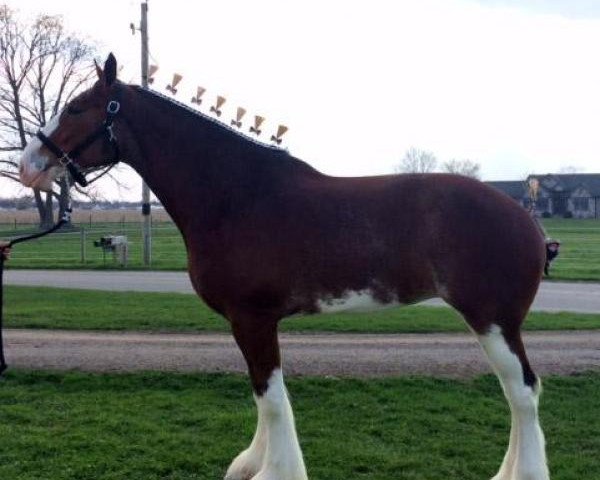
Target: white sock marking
x,y
283,457
274,453
249,462
526,457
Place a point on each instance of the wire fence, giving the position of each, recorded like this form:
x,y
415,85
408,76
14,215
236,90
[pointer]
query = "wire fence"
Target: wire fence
x,y
579,257
78,246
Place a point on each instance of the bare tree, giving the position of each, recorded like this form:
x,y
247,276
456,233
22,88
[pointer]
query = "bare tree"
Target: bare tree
x,y
417,161
468,168
41,68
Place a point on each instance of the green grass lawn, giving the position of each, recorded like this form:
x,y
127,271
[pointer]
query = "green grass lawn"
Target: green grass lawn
x,y
180,427
579,258
580,248
33,307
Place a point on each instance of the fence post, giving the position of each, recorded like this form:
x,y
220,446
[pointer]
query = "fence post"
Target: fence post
x,y
83,256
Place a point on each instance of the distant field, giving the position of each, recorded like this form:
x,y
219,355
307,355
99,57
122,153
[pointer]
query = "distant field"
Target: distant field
x,y
26,218
579,258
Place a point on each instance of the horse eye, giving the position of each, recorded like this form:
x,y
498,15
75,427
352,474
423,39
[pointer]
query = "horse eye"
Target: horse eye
x,y
73,110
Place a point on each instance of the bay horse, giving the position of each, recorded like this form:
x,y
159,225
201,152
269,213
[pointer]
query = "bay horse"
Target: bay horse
x,y
268,236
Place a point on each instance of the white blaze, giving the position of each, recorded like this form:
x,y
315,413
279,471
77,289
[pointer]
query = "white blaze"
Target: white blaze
x,y
33,171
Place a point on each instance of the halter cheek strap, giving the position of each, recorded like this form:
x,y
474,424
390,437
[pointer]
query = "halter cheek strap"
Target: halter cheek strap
x,y
67,159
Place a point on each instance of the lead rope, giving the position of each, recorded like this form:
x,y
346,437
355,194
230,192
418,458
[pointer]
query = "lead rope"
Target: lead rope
x,y
66,218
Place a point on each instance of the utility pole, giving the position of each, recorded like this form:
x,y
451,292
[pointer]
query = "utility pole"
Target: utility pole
x,y
146,231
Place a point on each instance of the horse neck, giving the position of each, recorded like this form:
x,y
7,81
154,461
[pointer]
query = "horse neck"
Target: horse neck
x,y
199,170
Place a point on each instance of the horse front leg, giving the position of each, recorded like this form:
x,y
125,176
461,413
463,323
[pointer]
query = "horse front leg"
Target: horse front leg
x,y
274,453
249,462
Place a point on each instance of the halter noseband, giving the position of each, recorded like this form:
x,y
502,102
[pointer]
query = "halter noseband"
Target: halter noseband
x,y
67,159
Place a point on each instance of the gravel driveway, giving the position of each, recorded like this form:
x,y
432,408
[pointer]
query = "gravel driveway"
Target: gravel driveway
x,y
454,355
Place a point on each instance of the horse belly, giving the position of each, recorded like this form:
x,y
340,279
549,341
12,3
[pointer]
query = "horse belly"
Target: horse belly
x,y
354,301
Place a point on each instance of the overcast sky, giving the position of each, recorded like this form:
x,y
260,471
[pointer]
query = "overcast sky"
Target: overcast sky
x,y
511,84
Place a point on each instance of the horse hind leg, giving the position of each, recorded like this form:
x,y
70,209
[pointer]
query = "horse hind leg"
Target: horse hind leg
x,y
525,458
274,453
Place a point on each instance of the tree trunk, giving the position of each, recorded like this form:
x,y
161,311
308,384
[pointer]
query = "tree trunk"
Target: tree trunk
x,y
63,199
49,220
44,208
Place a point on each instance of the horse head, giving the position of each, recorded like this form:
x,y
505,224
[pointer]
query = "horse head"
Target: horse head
x,y
79,138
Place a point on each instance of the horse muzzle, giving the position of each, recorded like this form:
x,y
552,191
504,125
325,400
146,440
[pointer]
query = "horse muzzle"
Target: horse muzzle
x,y
35,172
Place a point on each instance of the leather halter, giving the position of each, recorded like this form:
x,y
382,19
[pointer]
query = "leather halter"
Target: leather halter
x,y
67,159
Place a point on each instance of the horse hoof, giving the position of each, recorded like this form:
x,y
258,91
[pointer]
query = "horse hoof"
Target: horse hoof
x,y
273,474
244,466
241,474
523,476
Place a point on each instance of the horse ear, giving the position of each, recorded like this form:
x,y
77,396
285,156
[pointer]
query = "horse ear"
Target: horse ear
x,y
110,70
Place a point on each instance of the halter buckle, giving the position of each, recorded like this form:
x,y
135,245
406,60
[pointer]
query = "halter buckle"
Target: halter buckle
x,y
113,107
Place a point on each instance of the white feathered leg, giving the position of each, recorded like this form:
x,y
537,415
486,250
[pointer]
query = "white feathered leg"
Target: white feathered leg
x,y
526,455
248,463
283,457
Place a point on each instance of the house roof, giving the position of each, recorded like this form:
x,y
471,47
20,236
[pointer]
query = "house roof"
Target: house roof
x,y
513,188
571,181
552,182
